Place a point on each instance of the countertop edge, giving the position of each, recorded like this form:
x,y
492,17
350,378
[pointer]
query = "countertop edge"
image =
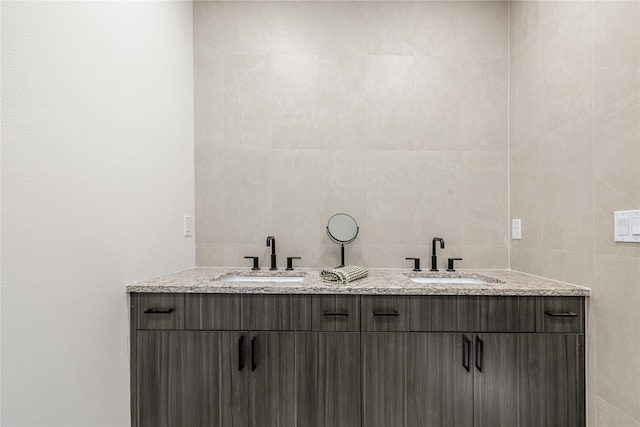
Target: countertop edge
x,y
210,280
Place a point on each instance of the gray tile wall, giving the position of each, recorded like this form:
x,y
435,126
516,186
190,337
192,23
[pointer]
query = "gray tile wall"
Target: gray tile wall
x,y
394,112
574,159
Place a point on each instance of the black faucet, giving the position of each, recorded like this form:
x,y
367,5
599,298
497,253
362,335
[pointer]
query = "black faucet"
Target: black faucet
x,y
434,258
271,241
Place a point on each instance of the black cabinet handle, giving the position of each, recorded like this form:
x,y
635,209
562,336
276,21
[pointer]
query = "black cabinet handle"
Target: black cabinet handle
x,y
159,310
335,313
386,313
253,354
241,353
479,353
466,352
561,313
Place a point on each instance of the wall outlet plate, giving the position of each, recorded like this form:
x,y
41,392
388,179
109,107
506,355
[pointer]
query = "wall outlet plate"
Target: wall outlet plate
x,y
516,229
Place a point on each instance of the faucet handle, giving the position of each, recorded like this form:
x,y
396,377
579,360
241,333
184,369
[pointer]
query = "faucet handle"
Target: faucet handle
x,y
255,262
450,263
290,262
416,263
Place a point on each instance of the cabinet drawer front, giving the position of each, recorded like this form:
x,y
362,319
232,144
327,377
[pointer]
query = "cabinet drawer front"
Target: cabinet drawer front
x,y
434,313
560,314
384,313
276,312
335,313
159,311
213,311
497,314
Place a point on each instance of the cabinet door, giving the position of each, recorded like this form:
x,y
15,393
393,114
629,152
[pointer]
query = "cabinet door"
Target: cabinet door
x,y
495,380
551,380
417,379
439,388
159,379
383,379
328,379
215,376
272,380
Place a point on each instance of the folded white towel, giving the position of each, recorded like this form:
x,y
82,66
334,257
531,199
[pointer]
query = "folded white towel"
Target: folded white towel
x,y
345,274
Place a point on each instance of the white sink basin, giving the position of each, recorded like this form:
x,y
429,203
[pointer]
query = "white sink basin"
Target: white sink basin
x,y
448,280
265,279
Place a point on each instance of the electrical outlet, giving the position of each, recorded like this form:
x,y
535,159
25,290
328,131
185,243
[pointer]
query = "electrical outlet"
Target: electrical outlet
x,y
516,229
188,226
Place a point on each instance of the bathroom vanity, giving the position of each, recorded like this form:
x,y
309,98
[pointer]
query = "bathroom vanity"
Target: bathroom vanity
x,y
381,351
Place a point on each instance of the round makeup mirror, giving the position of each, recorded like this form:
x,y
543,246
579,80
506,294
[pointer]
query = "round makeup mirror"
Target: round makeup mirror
x,y
342,228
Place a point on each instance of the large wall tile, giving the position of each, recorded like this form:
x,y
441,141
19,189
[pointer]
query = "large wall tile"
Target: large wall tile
x,y
566,266
610,416
528,260
483,28
248,28
404,207
211,254
248,112
294,95
388,95
525,80
567,72
568,196
248,196
616,51
390,27
320,189
341,102
479,256
617,322
210,196
436,29
484,104
524,21
342,28
484,179
295,28
209,105
208,28
435,108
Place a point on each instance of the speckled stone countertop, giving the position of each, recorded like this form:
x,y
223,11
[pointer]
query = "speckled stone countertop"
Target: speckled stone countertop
x,y
379,282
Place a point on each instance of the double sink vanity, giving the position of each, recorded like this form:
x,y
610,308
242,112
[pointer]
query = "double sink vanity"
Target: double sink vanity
x,y
234,347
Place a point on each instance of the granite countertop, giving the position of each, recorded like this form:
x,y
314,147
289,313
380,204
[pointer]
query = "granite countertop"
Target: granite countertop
x,y
379,282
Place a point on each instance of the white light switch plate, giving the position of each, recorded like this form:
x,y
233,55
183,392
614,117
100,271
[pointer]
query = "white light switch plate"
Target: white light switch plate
x,y
188,225
516,229
626,225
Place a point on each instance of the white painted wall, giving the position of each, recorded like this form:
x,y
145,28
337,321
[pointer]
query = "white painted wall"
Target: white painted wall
x,y
97,172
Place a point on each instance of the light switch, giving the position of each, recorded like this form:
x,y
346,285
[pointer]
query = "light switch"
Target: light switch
x,y
627,226
623,227
188,226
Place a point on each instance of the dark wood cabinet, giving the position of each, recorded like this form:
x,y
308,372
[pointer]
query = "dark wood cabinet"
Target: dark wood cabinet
x,y
551,380
210,360
328,379
495,386
416,379
158,380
